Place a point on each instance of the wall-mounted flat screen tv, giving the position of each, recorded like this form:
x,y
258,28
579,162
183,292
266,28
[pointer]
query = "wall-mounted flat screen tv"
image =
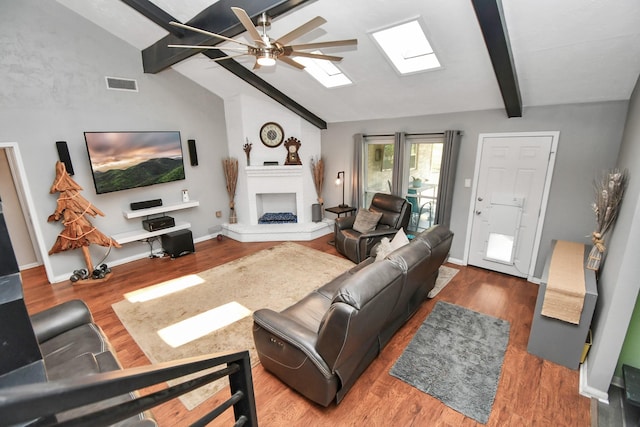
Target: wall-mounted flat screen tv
x,y
124,160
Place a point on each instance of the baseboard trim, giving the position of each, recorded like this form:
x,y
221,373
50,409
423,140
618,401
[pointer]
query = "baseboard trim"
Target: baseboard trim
x,y
456,261
586,390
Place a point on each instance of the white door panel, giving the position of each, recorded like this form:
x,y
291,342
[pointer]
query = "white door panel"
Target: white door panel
x,y
511,180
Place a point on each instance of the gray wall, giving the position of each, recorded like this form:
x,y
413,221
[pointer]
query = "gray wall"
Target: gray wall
x,y
590,136
53,69
620,273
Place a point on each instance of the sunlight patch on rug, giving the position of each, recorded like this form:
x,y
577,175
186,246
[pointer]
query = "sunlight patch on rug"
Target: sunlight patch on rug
x,y
195,327
163,289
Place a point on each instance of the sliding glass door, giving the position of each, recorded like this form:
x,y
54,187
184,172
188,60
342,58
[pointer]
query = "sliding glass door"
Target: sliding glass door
x,y
422,177
378,159
414,175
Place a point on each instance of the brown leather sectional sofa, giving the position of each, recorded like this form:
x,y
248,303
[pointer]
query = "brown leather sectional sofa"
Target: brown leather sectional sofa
x,y
320,345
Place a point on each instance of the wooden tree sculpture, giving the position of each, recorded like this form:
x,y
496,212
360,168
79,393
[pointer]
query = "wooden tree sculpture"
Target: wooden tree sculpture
x,y
72,208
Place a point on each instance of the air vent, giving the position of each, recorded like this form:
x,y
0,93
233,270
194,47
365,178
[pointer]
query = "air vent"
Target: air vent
x,y
115,83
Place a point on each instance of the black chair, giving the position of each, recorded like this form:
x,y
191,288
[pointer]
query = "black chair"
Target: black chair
x,y
396,213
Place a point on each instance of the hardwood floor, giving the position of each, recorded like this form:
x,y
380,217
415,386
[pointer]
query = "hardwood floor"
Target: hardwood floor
x,y
531,392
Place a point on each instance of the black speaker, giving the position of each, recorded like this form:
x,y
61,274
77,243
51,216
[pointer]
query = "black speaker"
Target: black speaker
x,y
193,154
63,155
145,204
178,243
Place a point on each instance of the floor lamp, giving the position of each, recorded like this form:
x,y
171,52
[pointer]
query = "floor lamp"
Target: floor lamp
x,y
338,180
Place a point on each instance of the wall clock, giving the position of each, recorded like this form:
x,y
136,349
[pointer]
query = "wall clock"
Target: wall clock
x,y
271,134
293,158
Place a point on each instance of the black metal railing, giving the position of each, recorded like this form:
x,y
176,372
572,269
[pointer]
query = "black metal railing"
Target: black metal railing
x,y
38,404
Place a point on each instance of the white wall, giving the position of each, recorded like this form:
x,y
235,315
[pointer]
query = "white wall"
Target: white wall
x,y
54,64
590,136
620,272
53,69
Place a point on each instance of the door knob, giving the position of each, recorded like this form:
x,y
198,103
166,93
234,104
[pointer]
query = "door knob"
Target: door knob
x,y
478,212
480,199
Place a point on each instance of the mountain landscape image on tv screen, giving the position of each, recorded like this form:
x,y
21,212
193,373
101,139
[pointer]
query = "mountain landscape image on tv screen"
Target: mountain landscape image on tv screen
x,y
124,160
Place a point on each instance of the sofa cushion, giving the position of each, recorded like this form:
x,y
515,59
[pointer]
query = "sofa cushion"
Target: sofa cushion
x,y
359,289
70,344
329,289
83,364
366,221
391,208
309,311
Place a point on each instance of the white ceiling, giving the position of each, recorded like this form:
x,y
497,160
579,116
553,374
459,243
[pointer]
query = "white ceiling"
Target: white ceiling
x,y
565,51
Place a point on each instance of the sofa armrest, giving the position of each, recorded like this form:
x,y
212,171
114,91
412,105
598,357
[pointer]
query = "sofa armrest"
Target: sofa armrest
x,y
345,223
293,333
383,232
59,319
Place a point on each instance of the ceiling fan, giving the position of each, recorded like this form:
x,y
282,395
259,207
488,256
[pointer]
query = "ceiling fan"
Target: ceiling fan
x,y
266,50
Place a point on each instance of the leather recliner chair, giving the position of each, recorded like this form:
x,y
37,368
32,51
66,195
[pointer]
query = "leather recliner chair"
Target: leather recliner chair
x,y
396,213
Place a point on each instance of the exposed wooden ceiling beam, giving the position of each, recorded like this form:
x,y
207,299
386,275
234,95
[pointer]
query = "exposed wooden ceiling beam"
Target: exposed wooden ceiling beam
x,y
493,27
217,18
154,13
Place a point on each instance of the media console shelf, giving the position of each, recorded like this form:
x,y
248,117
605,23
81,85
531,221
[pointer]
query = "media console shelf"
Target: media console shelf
x,y
132,236
129,214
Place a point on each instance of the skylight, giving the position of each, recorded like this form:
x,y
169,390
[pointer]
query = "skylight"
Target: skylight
x,y
324,71
407,47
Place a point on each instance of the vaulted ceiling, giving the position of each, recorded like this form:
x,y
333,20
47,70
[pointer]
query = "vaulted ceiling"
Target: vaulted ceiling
x,y
569,51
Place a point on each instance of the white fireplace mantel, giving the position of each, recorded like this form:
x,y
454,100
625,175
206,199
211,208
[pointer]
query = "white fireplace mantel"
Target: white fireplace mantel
x,y
271,171
264,180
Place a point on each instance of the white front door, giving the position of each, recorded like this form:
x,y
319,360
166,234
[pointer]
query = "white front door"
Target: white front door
x,y
513,174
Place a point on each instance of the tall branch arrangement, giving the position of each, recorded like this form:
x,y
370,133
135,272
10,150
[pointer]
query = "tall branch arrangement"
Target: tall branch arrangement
x,y
72,208
317,170
230,168
609,191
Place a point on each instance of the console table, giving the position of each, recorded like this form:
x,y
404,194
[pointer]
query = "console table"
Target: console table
x,y
132,236
556,340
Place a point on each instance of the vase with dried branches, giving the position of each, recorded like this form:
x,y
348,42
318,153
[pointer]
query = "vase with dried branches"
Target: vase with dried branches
x,y
609,191
230,168
317,170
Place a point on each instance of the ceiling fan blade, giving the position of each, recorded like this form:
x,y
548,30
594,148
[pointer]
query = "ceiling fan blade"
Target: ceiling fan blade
x,y
208,33
301,30
246,22
192,46
315,56
291,62
322,45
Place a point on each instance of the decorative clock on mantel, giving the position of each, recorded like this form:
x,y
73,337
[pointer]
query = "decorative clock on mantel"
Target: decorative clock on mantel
x,y
292,145
271,134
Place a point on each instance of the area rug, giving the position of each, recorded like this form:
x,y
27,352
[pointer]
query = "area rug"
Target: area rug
x,y
274,278
167,320
445,274
456,356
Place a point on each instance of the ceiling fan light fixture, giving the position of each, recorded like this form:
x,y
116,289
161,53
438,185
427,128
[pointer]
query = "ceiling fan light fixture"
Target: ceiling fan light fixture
x,y
266,59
